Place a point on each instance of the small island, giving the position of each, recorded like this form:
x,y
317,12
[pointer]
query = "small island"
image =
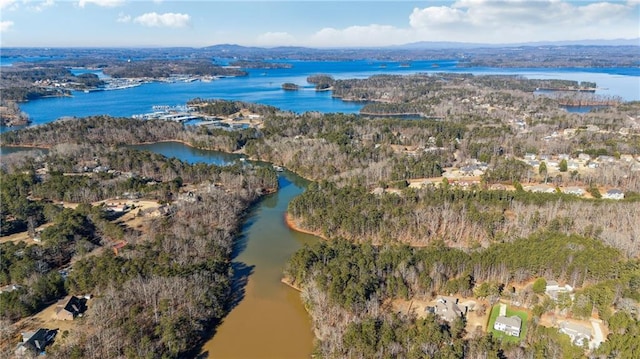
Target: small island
x,y
288,86
322,82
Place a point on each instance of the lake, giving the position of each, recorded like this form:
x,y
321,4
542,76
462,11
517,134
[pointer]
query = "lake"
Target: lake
x,y
264,86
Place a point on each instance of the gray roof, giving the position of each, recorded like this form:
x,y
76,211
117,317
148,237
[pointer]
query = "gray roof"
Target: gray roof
x,y
513,321
573,328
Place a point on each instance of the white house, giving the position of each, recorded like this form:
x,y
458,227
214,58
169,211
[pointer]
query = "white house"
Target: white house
x,y
614,194
509,325
553,289
541,188
574,190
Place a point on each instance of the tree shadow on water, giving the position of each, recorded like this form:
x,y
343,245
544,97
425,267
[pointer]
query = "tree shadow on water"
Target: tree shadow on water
x,y
240,243
239,280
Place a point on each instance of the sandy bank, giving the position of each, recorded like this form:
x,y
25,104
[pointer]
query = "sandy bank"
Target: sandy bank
x,y
288,282
294,225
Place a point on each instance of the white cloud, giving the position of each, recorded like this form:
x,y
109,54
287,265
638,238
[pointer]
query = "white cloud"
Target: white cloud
x,y
169,19
8,4
123,18
275,39
5,25
42,5
495,21
371,35
103,3
434,15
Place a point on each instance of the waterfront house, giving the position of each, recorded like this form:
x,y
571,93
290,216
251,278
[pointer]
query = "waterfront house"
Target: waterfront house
x,y
509,325
578,333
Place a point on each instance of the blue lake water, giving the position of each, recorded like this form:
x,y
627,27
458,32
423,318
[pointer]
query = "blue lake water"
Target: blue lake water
x,y
264,86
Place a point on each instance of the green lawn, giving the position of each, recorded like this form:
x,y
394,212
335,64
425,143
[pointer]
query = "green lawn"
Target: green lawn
x,y
500,335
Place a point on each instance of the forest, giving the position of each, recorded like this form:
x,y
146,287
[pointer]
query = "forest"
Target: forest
x,y
188,250
346,287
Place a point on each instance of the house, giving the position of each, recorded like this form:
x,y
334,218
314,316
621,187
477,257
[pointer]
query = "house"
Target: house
x,y
541,189
573,165
35,342
509,325
530,156
9,288
117,208
614,194
73,308
577,191
578,333
553,289
605,158
584,157
448,309
471,170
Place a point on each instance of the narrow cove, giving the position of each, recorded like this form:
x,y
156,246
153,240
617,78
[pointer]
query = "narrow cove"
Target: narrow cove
x,y
267,319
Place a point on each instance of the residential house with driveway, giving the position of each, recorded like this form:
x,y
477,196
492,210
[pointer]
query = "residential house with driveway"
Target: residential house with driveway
x,y
509,325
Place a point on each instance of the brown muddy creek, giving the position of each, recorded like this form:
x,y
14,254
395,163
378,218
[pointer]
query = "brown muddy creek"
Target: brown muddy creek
x,y
268,320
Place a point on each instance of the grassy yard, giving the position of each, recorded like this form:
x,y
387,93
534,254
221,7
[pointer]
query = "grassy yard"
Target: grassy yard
x,y
503,336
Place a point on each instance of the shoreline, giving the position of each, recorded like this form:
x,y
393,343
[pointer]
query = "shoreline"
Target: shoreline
x,y
287,281
293,225
39,147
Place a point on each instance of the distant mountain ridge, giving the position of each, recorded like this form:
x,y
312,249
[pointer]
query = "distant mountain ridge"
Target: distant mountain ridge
x,y
438,45
454,45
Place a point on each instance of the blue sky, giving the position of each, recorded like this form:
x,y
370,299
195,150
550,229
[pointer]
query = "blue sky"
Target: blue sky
x,y
113,23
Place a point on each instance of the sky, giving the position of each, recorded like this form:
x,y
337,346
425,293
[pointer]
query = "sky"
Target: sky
x,y
163,23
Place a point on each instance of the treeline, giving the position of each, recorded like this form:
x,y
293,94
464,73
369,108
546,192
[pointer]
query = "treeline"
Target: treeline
x,y
345,286
355,148
215,107
135,172
167,68
460,217
255,64
322,82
